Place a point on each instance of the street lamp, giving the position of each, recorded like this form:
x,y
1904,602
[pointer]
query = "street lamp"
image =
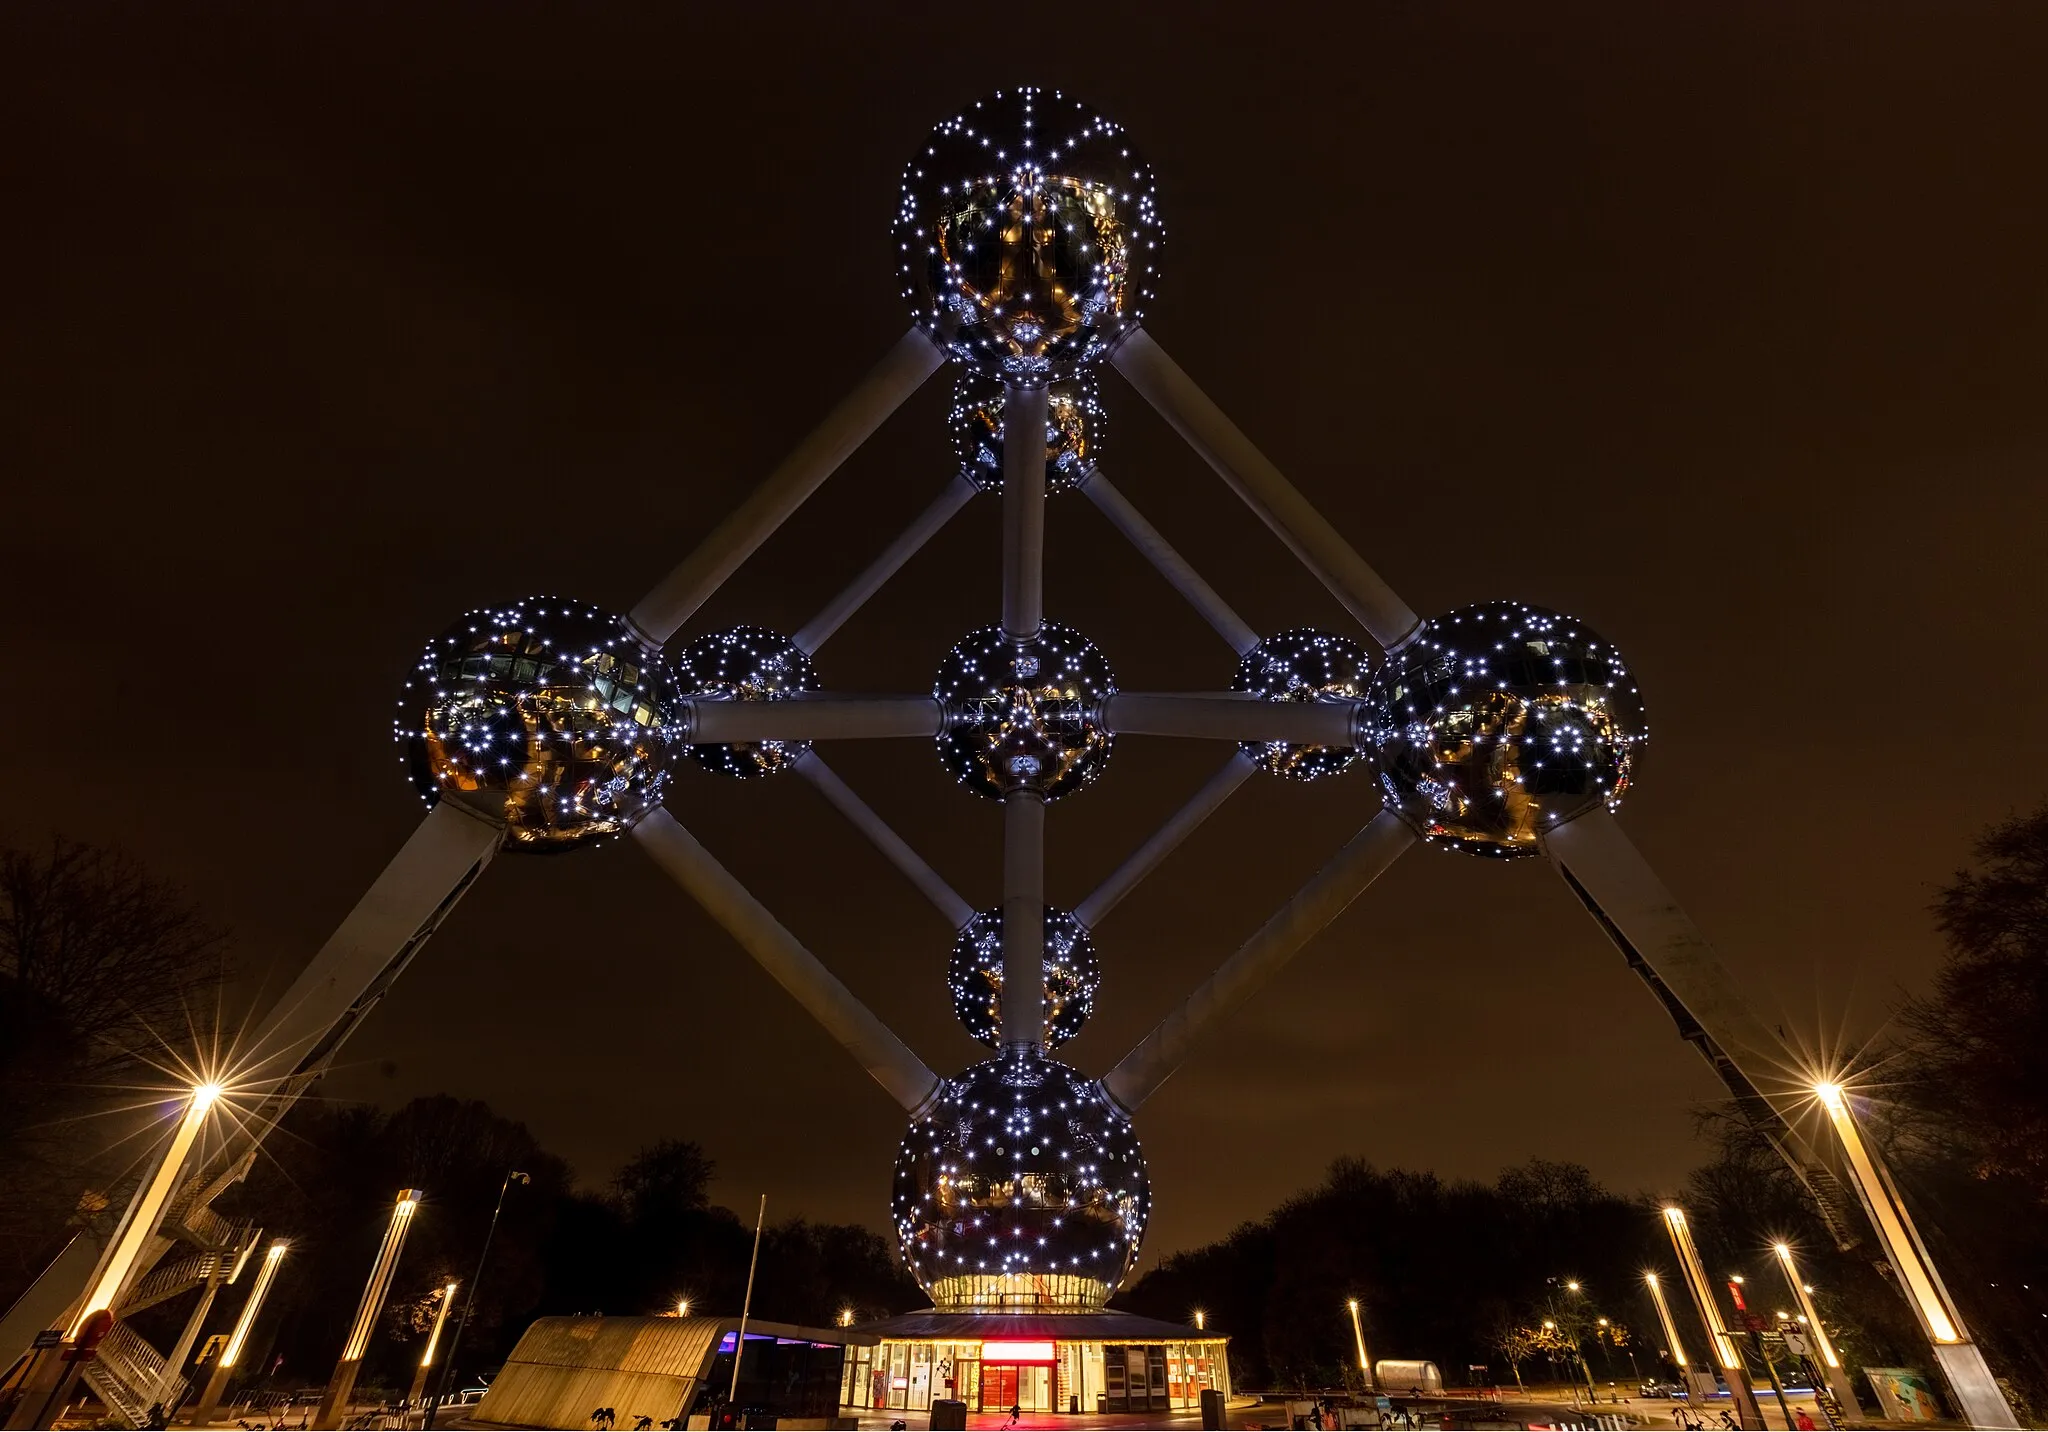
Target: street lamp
x,y
419,1377
1722,1345
1358,1334
469,1303
1809,1317
223,1365
334,1402
1982,1402
1201,1321
683,1308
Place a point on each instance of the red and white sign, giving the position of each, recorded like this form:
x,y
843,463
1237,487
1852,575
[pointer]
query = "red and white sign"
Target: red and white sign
x,y
1016,1352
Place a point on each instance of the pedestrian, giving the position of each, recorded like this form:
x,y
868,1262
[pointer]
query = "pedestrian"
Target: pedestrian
x,y
1016,1412
1804,1422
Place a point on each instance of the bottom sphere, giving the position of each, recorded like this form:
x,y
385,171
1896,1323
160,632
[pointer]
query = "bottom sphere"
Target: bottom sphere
x,y
1021,1186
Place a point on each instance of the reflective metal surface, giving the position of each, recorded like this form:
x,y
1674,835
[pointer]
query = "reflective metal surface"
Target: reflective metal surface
x,y
1500,720
1073,430
746,663
1024,715
1303,665
1029,234
1021,1186
550,715
975,977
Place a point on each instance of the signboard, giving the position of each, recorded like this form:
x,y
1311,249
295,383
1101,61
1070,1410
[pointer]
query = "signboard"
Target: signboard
x,y
1016,1352
49,1337
1905,1393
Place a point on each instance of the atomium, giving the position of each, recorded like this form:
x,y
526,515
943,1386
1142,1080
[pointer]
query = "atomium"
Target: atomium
x,y
550,715
1500,720
1024,714
746,663
1303,665
1074,429
1028,234
1020,1172
975,977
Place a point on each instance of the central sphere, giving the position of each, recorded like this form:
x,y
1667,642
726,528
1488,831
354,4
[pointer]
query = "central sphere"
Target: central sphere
x,y
975,976
1303,665
550,715
1024,714
1073,430
746,663
1500,721
1020,1187
1028,235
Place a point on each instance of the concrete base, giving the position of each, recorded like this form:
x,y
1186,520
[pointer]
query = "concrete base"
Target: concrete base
x,y
1976,1391
209,1401
1843,1389
340,1388
1748,1415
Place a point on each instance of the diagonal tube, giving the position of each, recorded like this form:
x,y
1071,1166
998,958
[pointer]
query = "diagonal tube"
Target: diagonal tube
x,y
1023,919
787,962
717,721
1638,913
819,629
1165,840
1315,543
1023,509
675,600
1230,716
893,847
1172,566
1368,854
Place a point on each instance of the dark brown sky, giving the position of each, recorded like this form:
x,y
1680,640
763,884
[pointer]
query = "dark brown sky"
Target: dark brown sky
x,y
1720,326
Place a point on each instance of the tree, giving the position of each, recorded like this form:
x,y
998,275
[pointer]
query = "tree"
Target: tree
x,y
1978,1056
105,979
1517,1344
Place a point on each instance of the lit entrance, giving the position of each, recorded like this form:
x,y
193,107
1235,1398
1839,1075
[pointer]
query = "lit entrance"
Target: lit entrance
x,y
1016,1374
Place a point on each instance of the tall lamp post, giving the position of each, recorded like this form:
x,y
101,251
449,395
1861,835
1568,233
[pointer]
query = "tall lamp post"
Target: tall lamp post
x,y
1733,1369
223,1365
469,1303
1358,1335
1830,1361
419,1376
334,1403
1982,1403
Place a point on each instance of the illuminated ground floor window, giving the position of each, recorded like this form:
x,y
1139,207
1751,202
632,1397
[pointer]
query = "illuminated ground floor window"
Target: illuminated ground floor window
x,y
1033,1368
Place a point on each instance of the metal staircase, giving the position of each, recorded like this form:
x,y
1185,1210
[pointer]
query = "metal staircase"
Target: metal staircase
x,y
127,1375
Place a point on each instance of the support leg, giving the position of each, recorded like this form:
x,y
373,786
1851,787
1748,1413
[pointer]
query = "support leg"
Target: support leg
x,y
1314,906
1664,947
792,966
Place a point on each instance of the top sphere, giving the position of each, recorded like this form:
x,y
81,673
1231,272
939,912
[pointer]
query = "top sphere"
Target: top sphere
x,y
550,715
1028,235
1500,721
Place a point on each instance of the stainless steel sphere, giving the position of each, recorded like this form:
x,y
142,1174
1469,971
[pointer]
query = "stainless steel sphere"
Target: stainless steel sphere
x,y
1303,665
746,663
550,715
1073,430
1028,234
1021,1186
1499,721
975,976
1024,715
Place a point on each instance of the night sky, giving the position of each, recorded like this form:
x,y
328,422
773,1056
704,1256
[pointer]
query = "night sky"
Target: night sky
x,y
1722,327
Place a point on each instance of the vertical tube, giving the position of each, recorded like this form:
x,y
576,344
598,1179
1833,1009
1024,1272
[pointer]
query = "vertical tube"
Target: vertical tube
x,y
1938,1317
1023,509
901,372
419,1376
1023,919
1733,1370
1358,1335
1831,1366
139,1226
